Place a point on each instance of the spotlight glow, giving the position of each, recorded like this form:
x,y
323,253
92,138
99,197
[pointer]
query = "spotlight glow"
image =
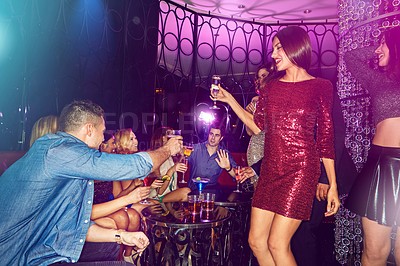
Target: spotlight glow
x,y
5,40
206,117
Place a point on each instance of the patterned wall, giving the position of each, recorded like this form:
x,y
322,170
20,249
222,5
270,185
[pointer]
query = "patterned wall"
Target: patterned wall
x,y
193,47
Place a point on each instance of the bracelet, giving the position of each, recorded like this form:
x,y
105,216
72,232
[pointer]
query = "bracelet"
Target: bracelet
x,y
165,178
118,237
230,168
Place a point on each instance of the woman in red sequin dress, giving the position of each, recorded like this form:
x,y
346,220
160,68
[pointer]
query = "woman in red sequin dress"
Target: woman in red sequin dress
x,y
295,112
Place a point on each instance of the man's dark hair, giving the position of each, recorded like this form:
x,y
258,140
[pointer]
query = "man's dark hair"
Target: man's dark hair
x,y
218,125
78,113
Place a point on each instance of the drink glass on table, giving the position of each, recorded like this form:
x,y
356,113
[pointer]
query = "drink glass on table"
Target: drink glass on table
x,y
207,207
194,204
216,80
238,173
147,182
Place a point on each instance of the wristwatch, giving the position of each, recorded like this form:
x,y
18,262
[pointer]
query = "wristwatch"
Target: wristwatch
x,y
118,237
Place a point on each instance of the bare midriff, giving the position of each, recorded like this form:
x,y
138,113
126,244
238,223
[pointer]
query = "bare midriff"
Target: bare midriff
x,y
388,133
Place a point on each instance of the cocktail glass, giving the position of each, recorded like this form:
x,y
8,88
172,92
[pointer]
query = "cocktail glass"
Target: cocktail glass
x,y
200,183
187,150
238,175
216,80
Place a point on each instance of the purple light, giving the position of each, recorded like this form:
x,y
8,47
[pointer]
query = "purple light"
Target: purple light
x,y
206,117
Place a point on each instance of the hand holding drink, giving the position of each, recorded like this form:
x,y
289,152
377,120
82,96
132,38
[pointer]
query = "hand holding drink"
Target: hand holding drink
x,y
147,182
238,175
216,80
157,183
187,150
184,166
175,144
137,194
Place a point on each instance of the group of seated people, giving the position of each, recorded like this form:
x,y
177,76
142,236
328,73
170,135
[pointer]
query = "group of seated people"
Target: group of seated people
x,y
117,204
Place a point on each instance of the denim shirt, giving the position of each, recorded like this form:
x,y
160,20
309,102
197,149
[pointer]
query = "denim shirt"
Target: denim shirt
x,y
201,164
46,198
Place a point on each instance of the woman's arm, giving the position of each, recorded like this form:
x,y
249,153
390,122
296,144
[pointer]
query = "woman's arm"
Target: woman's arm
x,y
165,185
358,64
177,167
246,117
251,108
333,196
97,233
106,208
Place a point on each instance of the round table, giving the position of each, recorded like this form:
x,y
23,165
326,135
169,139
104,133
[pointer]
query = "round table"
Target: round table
x,y
179,242
239,205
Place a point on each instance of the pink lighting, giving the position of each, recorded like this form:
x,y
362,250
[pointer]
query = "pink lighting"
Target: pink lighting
x,y
206,117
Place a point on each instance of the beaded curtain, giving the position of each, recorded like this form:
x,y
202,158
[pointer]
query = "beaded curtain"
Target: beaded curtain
x,y
360,24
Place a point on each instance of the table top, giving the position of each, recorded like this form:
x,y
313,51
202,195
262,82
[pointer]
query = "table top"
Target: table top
x,y
232,199
172,222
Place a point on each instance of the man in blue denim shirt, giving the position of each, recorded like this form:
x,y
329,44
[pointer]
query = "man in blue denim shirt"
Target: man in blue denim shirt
x,y
46,196
209,160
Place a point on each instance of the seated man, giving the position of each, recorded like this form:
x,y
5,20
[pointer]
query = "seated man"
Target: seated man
x,y
46,197
208,160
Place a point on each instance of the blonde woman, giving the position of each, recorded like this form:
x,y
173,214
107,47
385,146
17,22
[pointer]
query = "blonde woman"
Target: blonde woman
x,y
109,208
44,125
127,143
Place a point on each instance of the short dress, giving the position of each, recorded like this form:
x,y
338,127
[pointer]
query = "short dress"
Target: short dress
x,y
297,120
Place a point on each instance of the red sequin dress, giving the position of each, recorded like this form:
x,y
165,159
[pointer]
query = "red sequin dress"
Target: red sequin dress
x,y
297,119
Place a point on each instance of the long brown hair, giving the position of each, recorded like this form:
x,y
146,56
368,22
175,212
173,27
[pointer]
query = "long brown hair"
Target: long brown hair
x,y
157,137
297,45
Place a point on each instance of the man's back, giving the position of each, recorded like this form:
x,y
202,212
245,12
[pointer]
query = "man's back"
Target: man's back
x,y
46,198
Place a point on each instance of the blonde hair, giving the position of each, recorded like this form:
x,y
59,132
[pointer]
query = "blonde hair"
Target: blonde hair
x,y
43,126
122,139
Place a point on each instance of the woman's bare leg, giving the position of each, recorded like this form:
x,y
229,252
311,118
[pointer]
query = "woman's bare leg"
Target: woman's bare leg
x,y
260,225
376,243
397,247
121,219
133,226
106,222
282,230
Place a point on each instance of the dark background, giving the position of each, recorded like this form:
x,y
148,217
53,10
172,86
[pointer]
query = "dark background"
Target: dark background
x,y
52,52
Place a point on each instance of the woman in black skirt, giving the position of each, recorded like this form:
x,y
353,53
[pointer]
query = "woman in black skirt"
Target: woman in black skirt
x,y
375,194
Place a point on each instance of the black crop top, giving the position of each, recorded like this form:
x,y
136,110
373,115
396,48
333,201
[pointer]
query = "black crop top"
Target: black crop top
x,y
384,92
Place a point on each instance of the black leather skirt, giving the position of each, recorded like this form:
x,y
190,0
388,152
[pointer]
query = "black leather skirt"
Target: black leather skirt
x,y
375,193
